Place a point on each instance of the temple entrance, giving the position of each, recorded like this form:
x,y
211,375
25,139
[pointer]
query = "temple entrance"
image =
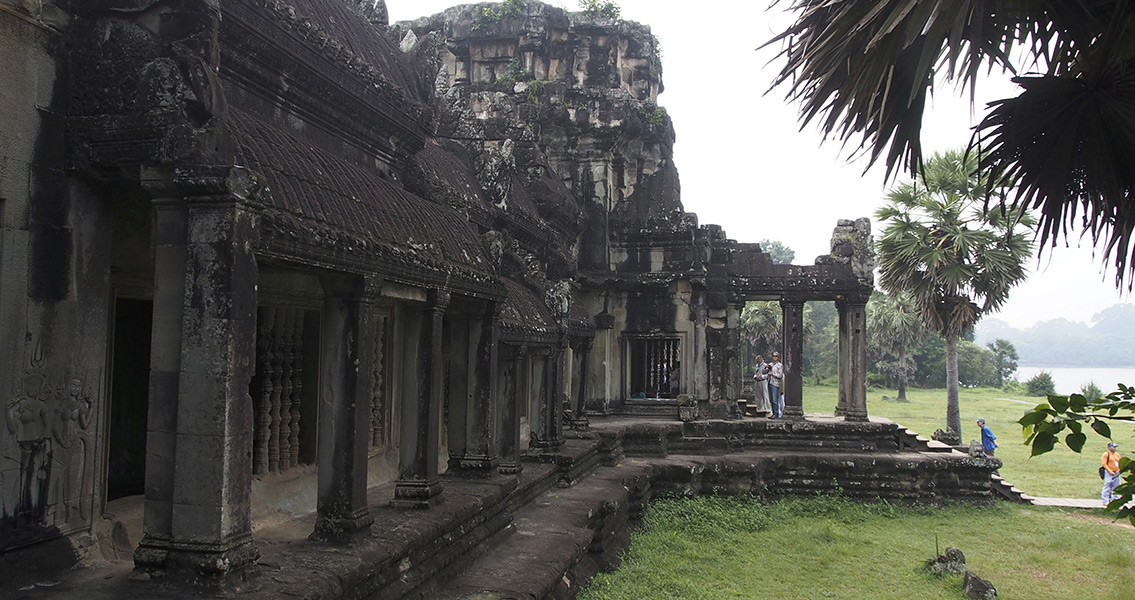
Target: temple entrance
x,y
129,397
655,370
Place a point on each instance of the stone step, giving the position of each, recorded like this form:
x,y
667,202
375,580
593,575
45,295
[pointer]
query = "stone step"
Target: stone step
x,y
713,446
558,541
1007,491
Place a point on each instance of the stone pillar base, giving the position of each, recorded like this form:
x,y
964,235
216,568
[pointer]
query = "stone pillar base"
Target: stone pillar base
x,y
342,529
854,415
416,494
510,468
472,466
794,413
160,556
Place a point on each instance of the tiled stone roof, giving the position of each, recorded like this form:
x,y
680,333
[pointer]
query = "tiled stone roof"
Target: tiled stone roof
x,y
525,313
324,208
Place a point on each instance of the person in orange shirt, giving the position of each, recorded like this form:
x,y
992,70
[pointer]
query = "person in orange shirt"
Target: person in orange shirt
x,y
1111,473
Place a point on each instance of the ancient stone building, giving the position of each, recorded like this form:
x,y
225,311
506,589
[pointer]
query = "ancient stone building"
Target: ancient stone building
x,y
260,255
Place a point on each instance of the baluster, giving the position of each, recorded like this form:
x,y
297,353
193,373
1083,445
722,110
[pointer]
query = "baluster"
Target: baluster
x,y
276,372
285,389
297,384
264,397
377,401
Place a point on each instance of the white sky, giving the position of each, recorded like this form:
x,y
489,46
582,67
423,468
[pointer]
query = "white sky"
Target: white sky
x,y
745,163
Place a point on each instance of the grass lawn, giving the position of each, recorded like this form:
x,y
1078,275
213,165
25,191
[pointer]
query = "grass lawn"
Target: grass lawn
x,y
718,548
1060,473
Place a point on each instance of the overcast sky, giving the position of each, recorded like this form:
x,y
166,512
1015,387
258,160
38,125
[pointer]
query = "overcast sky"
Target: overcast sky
x,y
745,163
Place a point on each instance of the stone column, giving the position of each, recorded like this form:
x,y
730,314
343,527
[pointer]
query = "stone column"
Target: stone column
x,y
418,485
477,455
698,385
857,358
169,223
793,313
579,418
512,393
208,526
733,359
543,391
348,348
556,396
843,367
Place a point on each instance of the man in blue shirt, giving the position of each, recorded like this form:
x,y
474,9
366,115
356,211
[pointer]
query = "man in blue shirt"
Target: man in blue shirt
x,y
988,440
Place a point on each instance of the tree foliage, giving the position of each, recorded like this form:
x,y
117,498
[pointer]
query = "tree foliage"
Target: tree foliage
x,y
1004,360
955,256
1065,144
895,330
1040,384
604,9
1045,424
778,252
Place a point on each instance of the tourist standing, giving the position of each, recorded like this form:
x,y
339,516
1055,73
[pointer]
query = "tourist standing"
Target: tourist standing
x,y
1111,473
775,375
988,440
760,387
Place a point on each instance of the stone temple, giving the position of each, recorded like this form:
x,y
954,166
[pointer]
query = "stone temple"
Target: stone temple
x,y
279,266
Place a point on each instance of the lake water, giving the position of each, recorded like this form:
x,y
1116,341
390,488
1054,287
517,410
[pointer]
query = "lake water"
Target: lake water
x,y
1069,380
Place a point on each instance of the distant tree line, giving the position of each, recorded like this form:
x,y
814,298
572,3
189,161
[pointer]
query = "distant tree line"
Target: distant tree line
x,y
1069,341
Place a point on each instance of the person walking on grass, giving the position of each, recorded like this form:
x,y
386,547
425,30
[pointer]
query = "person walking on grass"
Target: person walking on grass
x,y
1111,473
988,440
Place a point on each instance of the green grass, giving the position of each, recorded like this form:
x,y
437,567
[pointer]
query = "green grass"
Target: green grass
x,y
1060,473
718,548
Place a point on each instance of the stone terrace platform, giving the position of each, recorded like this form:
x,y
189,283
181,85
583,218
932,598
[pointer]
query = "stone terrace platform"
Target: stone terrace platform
x,y
567,517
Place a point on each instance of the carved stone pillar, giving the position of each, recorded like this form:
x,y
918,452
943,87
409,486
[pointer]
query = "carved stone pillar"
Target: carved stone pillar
x,y
418,485
557,373
842,357
512,394
582,351
542,389
344,407
201,421
857,358
168,242
733,355
793,312
477,452
698,385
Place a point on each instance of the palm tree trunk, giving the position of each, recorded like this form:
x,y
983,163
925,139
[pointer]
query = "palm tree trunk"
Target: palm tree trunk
x,y
953,415
902,374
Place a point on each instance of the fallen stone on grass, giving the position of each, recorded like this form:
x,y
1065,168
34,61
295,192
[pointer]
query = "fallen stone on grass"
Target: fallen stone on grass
x,y
976,587
953,562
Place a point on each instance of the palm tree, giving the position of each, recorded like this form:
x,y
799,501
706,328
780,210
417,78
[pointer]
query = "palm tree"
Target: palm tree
x,y
953,254
761,327
894,327
1065,144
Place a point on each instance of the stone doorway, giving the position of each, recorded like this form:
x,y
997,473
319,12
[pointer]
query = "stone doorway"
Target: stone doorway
x,y
129,397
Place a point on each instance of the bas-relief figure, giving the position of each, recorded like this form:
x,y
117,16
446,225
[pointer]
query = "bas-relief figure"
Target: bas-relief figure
x,y
50,426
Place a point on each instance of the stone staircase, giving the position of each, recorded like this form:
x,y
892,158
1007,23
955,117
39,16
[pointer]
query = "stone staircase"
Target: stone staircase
x,y
910,441
1005,490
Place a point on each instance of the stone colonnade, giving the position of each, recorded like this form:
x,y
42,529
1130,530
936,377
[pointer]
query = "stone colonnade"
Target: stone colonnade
x,y
203,423
852,356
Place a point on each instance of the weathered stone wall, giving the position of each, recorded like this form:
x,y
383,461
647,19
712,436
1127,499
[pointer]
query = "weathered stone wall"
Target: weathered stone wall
x,y
54,265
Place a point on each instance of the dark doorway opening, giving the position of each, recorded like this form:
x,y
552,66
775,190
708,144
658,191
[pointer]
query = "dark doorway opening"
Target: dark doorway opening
x,y
129,397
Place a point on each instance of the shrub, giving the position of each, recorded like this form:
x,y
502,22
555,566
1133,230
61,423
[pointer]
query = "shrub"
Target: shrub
x,y
1091,391
651,114
605,9
483,16
1040,385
